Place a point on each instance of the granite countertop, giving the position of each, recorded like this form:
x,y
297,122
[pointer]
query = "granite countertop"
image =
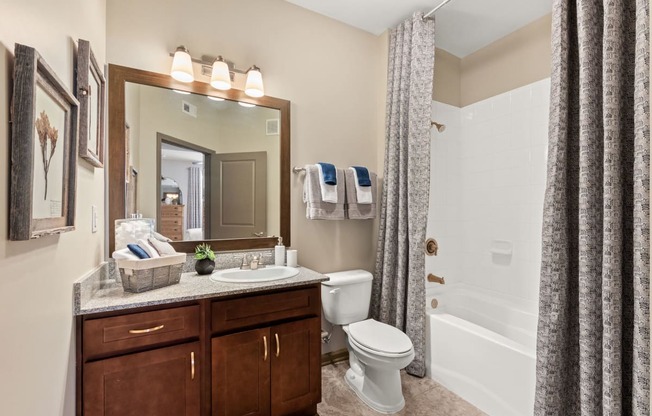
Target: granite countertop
x,y
111,296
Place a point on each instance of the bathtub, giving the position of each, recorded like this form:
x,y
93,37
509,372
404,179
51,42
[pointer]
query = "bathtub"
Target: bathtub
x,y
481,345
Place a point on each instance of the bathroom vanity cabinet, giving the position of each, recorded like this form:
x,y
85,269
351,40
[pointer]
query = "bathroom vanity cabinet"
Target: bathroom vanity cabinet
x,y
253,354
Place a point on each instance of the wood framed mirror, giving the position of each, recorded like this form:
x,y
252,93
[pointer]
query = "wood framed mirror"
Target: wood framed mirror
x,y
122,175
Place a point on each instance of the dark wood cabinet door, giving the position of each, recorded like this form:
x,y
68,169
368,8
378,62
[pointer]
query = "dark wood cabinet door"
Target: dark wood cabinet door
x,y
296,367
160,382
240,373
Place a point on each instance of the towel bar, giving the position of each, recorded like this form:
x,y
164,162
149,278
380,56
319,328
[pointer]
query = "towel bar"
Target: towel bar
x,y
297,170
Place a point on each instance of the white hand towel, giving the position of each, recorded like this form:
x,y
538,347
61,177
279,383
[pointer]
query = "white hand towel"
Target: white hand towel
x,y
124,254
364,194
328,192
149,249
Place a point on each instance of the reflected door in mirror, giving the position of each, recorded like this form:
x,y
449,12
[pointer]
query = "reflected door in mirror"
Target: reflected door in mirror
x,y
239,194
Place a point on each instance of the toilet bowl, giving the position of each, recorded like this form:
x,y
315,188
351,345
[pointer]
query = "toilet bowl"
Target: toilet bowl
x,y
377,351
375,364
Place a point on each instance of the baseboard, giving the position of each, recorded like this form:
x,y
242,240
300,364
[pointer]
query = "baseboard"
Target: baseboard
x,y
334,357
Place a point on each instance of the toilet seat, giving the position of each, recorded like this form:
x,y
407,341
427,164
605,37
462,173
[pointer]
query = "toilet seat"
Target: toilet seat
x,y
378,338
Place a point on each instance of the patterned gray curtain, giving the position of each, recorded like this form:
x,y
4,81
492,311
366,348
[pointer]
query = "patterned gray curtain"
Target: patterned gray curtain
x,y
195,198
594,322
399,282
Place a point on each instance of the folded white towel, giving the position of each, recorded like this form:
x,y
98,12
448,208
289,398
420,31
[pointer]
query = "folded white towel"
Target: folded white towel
x,y
316,208
149,249
363,193
328,192
124,254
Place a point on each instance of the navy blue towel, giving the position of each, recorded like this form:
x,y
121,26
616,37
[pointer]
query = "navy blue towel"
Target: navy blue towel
x,y
138,251
330,175
363,175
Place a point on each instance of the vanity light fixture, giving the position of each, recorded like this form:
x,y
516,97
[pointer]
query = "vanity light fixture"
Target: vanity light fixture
x,y
254,86
221,71
182,65
221,77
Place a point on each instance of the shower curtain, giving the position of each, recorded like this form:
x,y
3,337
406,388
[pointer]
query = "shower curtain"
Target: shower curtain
x,y
195,203
594,322
399,281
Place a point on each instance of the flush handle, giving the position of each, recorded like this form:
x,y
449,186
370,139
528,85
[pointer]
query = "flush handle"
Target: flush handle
x,y
335,291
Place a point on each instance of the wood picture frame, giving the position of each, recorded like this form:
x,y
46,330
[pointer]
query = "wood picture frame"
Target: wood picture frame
x,y
43,150
90,89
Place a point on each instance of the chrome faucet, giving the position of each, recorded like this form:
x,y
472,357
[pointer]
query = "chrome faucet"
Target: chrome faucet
x,y
246,265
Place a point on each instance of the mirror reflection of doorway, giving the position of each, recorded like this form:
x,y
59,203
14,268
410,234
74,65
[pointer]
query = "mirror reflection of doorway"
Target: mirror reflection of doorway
x,y
183,189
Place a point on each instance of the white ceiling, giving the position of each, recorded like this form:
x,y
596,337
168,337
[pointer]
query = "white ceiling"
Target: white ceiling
x,y
463,26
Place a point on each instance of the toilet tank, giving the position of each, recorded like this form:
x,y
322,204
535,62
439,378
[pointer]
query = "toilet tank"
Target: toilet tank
x,y
345,297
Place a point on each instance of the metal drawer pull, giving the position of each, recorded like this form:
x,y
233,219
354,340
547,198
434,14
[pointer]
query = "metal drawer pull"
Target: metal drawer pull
x,y
145,331
192,365
265,346
278,345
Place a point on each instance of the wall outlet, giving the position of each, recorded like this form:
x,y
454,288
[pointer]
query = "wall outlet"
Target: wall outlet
x,y
93,219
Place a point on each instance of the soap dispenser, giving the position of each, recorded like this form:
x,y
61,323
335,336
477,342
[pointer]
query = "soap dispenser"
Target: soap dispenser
x,y
279,253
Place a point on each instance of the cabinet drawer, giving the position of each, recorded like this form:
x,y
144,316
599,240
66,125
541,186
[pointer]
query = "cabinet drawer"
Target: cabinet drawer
x,y
172,209
170,228
261,309
105,336
166,221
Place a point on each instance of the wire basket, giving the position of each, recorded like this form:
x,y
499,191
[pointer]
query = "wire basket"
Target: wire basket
x,y
143,275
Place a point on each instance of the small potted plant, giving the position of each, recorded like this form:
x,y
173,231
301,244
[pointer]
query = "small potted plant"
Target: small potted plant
x,y
205,259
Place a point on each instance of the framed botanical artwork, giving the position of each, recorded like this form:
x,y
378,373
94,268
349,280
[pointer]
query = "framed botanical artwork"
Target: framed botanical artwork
x,y
91,90
43,150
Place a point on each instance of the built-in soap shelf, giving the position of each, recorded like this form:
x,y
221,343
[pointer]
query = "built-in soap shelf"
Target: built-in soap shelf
x,y
501,247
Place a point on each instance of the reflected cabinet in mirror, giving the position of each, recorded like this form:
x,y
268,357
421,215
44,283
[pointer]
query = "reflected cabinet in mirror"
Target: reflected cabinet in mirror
x,y
207,165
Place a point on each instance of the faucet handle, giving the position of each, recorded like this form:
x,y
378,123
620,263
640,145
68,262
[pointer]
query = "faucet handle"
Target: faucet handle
x,y
245,262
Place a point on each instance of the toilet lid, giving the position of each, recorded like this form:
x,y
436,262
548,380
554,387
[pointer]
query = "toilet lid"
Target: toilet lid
x,y
379,337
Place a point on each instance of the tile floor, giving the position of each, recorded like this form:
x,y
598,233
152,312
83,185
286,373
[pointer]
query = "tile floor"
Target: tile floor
x,y
423,397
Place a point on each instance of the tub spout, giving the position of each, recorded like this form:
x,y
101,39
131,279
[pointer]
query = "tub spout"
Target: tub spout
x,y
436,279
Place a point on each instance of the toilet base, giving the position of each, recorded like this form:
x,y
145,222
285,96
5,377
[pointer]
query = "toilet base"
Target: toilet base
x,y
378,389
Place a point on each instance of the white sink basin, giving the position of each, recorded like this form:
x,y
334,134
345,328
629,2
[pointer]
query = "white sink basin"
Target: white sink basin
x,y
266,274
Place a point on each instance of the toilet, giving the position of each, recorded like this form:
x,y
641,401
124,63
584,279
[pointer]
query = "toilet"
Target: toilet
x,y
377,351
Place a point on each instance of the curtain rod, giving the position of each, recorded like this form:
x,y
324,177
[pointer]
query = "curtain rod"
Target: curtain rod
x,y
431,12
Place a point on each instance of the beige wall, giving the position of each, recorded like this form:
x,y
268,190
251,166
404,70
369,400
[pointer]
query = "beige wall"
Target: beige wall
x,y
448,78
331,72
37,361
518,59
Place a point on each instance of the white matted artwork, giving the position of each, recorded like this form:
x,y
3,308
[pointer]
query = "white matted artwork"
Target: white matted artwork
x,y
47,186
43,150
91,90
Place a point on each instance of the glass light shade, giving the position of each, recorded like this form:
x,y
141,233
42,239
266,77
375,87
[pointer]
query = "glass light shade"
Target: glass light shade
x,y
221,78
247,105
254,86
210,97
182,66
